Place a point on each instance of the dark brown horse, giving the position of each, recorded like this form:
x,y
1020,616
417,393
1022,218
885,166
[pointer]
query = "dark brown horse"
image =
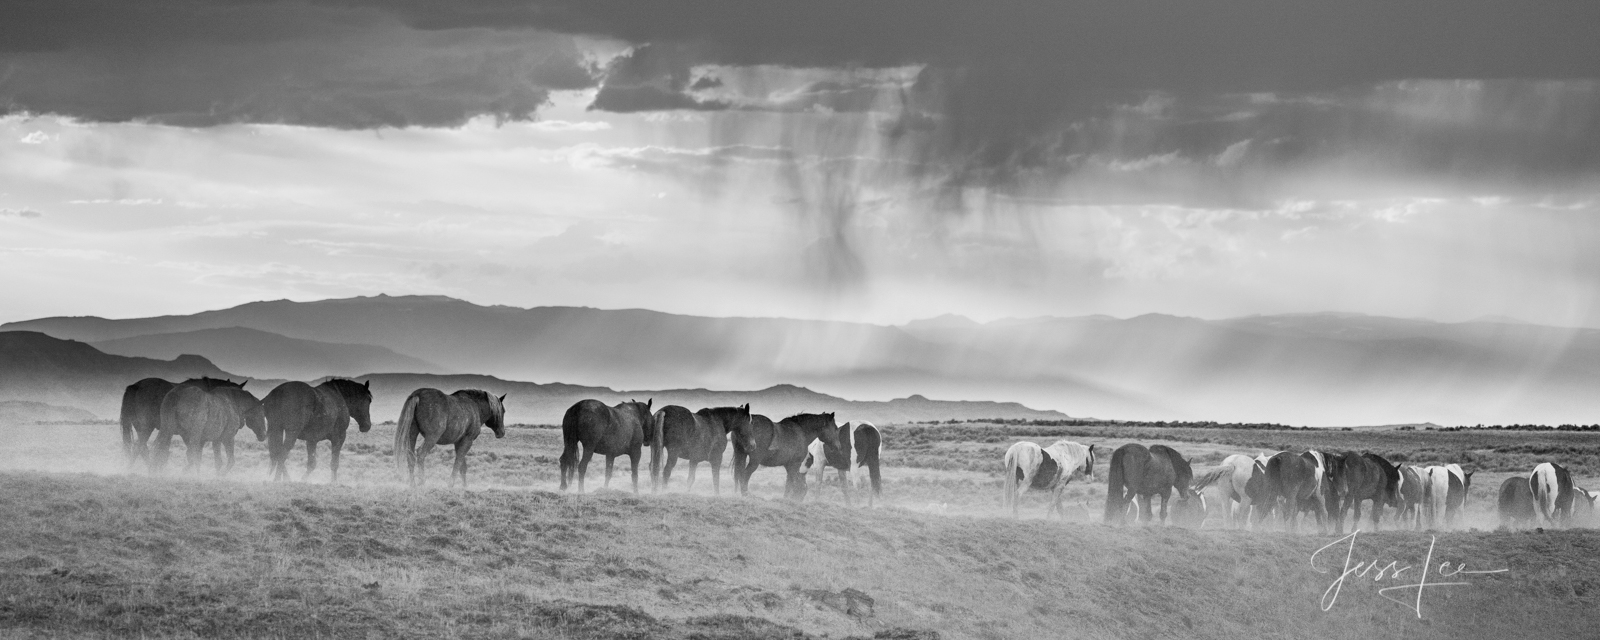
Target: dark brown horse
x,y
1354,478
1293,486
1138,472
298,411
1516,504
760,443
436,418
608,431
141,410
200,417
701,436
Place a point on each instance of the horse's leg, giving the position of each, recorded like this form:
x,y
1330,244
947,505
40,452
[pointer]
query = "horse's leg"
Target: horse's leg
x,y
694,468
335,447
610,460
844,482
311,459
216,455
1165,494
229,446
583,466
666,471
463,447
421,456
633,462
716,475
192,450
797,480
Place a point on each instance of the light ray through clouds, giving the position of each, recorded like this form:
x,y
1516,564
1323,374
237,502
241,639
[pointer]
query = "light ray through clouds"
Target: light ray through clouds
x,y
583,154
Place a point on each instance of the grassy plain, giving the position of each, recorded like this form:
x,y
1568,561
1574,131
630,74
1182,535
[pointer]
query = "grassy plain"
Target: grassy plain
x,y
93,552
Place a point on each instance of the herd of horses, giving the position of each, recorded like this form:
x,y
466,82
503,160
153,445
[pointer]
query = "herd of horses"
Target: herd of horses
x,y
1248,491
1242,491
205,412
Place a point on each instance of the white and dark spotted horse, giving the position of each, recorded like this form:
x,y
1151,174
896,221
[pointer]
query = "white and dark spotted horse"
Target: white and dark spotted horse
x,y
1029,466
860,449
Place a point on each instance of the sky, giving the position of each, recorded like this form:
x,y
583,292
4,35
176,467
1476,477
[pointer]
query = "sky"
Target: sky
x,y
869,161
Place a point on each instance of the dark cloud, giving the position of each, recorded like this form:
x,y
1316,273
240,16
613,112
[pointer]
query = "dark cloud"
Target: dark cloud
x,y
19,213
202,64
652,78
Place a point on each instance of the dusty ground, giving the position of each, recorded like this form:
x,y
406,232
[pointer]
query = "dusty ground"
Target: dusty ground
x,y
93,552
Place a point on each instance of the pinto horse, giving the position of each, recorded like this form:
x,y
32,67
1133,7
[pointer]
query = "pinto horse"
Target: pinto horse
x,y
1029,466
141,410
1410,492
1435,495
608,431
1460,483
1553,492
701,436
298,411
456,419
760,443
860,445
1138,472
200,417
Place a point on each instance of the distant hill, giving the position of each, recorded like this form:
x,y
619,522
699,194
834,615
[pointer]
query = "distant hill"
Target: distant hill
x,y
533,403
25,412
262,354
38,368
1317,369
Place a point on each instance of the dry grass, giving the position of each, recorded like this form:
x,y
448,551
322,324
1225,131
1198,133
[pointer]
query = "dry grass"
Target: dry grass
x,y
129,556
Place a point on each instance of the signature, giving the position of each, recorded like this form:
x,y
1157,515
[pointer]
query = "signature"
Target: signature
x,y
1424,576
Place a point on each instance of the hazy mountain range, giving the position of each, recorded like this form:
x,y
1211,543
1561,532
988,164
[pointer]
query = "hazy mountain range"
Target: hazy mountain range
x,y
1327,369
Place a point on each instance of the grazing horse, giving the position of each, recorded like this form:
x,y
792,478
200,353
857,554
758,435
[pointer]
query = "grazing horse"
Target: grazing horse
x,y
202,417
701,436
1145,473
1456,496
1410,492
760,443
1215,490
1516,503
298,411
436,418
1236,510
860,445
1583,506
608,431
1028,466
1552,492
1292,486
1356,478
141,410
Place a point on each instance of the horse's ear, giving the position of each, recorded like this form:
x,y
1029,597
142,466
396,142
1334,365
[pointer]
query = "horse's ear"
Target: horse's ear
x,y
242,384
649,402
367,384
502,398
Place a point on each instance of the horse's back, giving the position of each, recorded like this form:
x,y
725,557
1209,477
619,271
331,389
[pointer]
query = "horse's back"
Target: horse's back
x,y
1515,500
868,443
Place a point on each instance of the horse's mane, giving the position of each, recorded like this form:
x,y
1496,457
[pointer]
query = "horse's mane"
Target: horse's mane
x,y
804,416
476,395
722,412
347,386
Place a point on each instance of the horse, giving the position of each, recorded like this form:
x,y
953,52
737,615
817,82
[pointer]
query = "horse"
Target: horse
x,y
1356,478
1232,487
1435,494
1410,492
608,431
760,443
1144,473
141,410
202,417
701,436
860,445
1583,506
1215,490
1456,495
1552,492
1029,466
1292,486
1516,503
436,418
298,411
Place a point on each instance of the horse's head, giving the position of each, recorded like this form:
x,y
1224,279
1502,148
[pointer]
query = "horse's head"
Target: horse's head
x,y
256,419
1087,470
497,415
358,397
825,429
641,411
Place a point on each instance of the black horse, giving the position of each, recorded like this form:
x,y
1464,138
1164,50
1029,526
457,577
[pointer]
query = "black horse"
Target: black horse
x,y
436,418
141,410
701,436
200,417
297,411
608,431
1292,486
760,443
1138,472
1354,478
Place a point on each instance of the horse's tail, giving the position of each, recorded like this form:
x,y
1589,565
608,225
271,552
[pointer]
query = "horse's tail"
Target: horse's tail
x,y
571,436
1013,466
1115,500
657,447
1209,478
129,413
405,438
871,454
